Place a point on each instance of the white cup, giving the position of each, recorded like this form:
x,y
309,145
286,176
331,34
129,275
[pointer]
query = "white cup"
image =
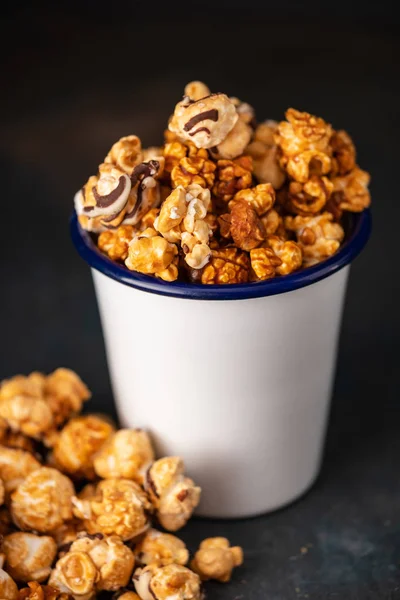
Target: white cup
x,y
234,379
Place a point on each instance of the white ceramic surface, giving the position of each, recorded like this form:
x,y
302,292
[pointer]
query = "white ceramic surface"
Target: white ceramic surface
x,y
240,388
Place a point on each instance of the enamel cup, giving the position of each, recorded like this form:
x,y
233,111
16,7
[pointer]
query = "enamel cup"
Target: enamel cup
x,y
234,379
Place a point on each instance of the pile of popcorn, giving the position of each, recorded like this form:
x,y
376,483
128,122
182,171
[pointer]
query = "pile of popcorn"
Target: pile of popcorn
x,y
225,199
78,501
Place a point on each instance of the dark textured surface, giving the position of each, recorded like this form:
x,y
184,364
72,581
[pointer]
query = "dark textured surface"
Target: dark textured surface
x,y
69,89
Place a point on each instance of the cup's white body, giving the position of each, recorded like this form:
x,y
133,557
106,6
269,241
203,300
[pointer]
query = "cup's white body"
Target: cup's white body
x,y
240,389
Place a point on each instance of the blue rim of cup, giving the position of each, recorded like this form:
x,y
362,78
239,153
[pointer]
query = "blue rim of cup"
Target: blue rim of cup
x,y
360,230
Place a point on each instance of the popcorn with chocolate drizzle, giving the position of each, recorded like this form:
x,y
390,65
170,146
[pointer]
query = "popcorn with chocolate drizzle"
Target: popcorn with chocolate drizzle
x,y
173,495
135,209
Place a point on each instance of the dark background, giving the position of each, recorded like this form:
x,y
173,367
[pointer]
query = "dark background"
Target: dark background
x,y
77,76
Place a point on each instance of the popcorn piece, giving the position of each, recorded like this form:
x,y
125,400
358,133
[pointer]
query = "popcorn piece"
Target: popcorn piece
x,y
43,501
113,560
35,591
126,153
31,386
105,195
264,153
182,218
351,191
77,444
8,587
288,252
151,254
344,153
119,507
31,416
65,394
261,198
302,132
310,162
246,229
190,170
161,549
309,198
235,142
227,265
206,121
196,90
75,574
145,190
232,176
15,466
264,263
127,454
29,557
170,581
317,236
216,559
115,243
173,495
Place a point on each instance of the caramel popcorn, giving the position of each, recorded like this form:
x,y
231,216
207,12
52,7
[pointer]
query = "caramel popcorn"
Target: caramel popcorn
x,y
302,132
151,254
43,501
164,583
161,549
113,560
264,153
343,153
29,557
35,591
261,197
193,170
126,153
127,454
119,507
30,415
173,495
196,90
317,236
139,210
246,228
78,443
264,263
232,176
116,243
351,191
8,587
289,253
15,466
227,265
65,394
216,559
182,219
75,574
205,122
309,198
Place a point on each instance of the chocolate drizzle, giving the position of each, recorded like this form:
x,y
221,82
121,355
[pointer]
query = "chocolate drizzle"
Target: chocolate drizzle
x,y
109,199
145,169
200,129
212,115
